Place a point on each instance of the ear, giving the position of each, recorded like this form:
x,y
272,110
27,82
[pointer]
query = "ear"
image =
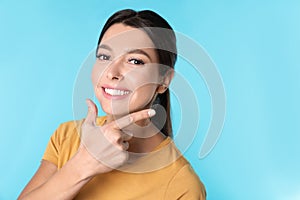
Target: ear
x,y
166,80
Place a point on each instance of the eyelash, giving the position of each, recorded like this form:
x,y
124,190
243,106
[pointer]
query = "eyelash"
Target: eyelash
x,y
103,57
136,61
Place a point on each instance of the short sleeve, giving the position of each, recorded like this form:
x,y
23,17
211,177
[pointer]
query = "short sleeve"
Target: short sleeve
x,y
52,149
64,143
186,185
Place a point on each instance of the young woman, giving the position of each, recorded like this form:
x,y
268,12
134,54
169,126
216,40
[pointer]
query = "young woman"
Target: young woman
x,y
122,155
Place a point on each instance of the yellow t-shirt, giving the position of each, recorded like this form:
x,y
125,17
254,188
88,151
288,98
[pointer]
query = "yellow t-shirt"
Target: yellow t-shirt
x,y
166,173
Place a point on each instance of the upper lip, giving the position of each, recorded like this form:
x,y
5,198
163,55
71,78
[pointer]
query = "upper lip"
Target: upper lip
x,y
115,88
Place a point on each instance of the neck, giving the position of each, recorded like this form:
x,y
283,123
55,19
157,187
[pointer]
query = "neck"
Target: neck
x,y
145,145
146,137
111,118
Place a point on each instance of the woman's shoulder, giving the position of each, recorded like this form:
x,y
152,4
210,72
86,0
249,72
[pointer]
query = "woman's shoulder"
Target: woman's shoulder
x,y
186,184
73,128
185,181
64,141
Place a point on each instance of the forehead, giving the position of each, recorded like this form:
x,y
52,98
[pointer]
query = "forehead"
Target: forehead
x,y
120,36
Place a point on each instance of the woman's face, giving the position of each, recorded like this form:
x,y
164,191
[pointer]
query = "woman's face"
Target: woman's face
x,y
125,75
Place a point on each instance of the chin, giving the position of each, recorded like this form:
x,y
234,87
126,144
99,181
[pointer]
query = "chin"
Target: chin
x,y
123,107
109,110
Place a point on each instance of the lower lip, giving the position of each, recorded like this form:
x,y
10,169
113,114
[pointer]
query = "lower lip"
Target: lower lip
x,y
114,97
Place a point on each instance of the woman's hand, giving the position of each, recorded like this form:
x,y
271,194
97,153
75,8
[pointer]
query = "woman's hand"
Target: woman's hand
x,y
103,148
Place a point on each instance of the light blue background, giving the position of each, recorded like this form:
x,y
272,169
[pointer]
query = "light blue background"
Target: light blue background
x,y
255,45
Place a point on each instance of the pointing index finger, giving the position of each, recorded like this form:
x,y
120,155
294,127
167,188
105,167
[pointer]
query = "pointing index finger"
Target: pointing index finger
x,y
133,117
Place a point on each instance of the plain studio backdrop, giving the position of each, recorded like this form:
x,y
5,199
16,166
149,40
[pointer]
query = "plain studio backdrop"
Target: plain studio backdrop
x,y
254,44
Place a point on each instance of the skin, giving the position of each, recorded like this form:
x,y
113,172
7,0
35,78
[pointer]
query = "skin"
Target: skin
x,y
119,66
122,67
120,71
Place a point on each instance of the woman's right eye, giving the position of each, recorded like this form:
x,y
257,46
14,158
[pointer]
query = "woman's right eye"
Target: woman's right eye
x,y
103,57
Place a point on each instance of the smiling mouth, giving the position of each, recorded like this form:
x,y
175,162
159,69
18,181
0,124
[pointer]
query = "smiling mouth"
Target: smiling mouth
x,y
116,92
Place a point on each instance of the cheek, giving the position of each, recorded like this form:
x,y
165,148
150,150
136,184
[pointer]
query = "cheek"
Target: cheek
x,y
145,76
97,73
142,96
144,82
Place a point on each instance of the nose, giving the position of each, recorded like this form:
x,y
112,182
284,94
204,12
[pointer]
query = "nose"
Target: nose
x,y
114,71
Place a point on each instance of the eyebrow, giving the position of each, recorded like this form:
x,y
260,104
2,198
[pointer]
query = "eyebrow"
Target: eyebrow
x,y
104,46
138,51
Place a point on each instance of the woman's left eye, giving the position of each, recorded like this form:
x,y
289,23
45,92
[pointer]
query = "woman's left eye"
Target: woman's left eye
x,y
136,61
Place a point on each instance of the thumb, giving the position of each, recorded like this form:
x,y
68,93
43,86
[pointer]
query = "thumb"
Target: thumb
x,y
92,112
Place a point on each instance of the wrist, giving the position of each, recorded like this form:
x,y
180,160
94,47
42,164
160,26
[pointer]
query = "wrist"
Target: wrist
x,y
82,165
86,165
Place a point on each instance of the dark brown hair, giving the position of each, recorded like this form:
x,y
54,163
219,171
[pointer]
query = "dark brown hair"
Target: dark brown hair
x,y
164,40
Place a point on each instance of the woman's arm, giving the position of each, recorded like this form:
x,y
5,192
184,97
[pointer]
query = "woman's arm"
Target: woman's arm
x,y
99,145
50,183
45,171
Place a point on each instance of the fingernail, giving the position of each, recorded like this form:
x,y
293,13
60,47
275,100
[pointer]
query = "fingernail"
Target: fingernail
x,y
128,133
87,102
151,112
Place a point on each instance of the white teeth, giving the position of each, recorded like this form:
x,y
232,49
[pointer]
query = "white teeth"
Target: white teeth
x,y
114,92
